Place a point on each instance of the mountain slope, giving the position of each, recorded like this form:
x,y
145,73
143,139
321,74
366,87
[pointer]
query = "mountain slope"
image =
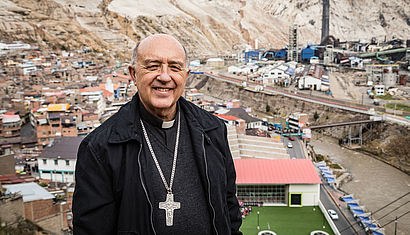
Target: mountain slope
x,y
207,28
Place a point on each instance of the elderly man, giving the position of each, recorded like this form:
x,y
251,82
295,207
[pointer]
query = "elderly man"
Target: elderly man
x,y
160,165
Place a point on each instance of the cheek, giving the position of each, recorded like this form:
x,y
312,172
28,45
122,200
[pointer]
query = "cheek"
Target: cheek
x,y
180,80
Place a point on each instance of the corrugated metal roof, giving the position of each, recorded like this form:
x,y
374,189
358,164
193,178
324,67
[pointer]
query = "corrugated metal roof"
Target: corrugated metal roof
x,y
29,191
275,171
64,147
10,118
58,107
242,114
227,117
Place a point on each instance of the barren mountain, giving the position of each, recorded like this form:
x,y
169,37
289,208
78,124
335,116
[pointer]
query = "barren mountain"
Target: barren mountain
x,y
206,27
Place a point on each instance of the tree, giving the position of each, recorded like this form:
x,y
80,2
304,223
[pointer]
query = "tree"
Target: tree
x,y
267,108
315,116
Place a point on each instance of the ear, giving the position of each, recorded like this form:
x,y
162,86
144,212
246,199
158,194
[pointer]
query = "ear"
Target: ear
x,y
132,72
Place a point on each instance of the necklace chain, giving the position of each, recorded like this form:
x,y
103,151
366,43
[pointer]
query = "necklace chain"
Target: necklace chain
x,y
174,163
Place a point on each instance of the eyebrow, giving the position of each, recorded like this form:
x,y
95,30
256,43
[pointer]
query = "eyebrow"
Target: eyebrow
x,y
148,61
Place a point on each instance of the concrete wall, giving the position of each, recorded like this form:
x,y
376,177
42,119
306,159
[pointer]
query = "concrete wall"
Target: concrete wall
x,y
280,105
246,146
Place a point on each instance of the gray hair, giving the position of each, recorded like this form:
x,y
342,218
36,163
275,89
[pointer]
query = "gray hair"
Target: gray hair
x,y
134,58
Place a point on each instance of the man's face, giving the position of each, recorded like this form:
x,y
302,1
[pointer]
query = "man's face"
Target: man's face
x,y
160,75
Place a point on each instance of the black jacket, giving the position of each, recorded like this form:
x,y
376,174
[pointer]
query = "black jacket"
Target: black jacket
x,y
111,196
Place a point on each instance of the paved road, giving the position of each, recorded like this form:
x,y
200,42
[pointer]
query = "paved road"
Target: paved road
x,y
296,151
342,223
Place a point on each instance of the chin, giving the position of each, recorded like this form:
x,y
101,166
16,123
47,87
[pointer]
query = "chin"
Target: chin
x,y
163,104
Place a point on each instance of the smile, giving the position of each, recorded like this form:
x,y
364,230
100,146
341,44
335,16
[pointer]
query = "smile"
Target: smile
x,y
162,89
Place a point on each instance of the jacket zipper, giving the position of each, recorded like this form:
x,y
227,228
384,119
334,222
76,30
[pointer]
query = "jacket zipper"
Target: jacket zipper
x,y
145,190
209,183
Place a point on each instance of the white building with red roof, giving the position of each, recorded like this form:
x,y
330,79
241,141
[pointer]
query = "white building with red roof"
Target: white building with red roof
x,y
277,182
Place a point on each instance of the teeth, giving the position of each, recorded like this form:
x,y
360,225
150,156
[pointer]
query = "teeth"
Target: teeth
x,y
163,89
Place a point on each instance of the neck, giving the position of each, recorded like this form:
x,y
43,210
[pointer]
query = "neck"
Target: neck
x,y
163,114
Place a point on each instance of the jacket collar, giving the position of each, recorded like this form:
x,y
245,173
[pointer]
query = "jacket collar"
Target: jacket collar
x,y
126,124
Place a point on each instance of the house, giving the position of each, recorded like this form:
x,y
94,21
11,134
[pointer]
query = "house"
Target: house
x,y
250,121
10,125
28,68
277,182
52,122
297,120
94,98
57,162
40,208
277,75
310,83
238,123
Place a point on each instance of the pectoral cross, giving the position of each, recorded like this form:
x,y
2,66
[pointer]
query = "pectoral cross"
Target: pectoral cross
x,y
169,206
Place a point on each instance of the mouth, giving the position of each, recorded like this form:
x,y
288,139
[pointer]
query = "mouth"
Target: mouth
x,y
162,89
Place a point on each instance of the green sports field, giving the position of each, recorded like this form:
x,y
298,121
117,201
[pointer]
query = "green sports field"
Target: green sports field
x,y
285,220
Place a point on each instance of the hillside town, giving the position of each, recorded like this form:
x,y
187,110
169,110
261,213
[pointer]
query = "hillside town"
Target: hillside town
x,y
278,104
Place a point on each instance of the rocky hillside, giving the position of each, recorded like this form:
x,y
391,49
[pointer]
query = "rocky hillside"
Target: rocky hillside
x,y
206,27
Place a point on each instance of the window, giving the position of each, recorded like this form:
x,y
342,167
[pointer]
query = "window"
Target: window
x,y
45,161
296,199
56,162
67,162
262,193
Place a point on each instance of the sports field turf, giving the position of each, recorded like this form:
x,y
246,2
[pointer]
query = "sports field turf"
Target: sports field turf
x,y
285,220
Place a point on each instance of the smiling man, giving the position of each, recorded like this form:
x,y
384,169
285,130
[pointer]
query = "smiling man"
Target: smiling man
x,y
160,165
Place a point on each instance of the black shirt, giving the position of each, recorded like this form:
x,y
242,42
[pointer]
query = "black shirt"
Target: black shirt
x,y
193,217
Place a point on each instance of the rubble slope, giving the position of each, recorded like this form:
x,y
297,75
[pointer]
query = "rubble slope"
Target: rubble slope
x,y
207,28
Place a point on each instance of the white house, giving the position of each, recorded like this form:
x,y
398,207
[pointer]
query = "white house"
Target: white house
x,y
57,162
275,75
309,82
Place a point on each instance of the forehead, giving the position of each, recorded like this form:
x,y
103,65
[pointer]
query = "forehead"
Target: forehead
x,y
161,48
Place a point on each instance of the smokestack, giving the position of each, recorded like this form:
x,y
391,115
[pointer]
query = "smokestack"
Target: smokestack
x,y
325,20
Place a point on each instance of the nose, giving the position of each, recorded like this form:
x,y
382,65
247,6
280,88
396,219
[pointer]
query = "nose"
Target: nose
x,y
164,75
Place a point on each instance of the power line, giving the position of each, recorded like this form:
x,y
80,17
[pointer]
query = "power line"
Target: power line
x,y
376,212
393,210
390,203
395,219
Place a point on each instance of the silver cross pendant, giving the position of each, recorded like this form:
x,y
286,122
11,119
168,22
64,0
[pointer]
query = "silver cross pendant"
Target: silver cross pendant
x,y
169,206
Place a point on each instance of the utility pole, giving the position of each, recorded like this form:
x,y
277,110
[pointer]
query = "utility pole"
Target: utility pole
x,y
395,226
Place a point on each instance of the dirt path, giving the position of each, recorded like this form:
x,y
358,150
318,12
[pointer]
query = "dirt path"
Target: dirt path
x,y
374,183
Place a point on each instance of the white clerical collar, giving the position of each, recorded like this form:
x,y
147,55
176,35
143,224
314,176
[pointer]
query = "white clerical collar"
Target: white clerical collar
x,y
168,124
